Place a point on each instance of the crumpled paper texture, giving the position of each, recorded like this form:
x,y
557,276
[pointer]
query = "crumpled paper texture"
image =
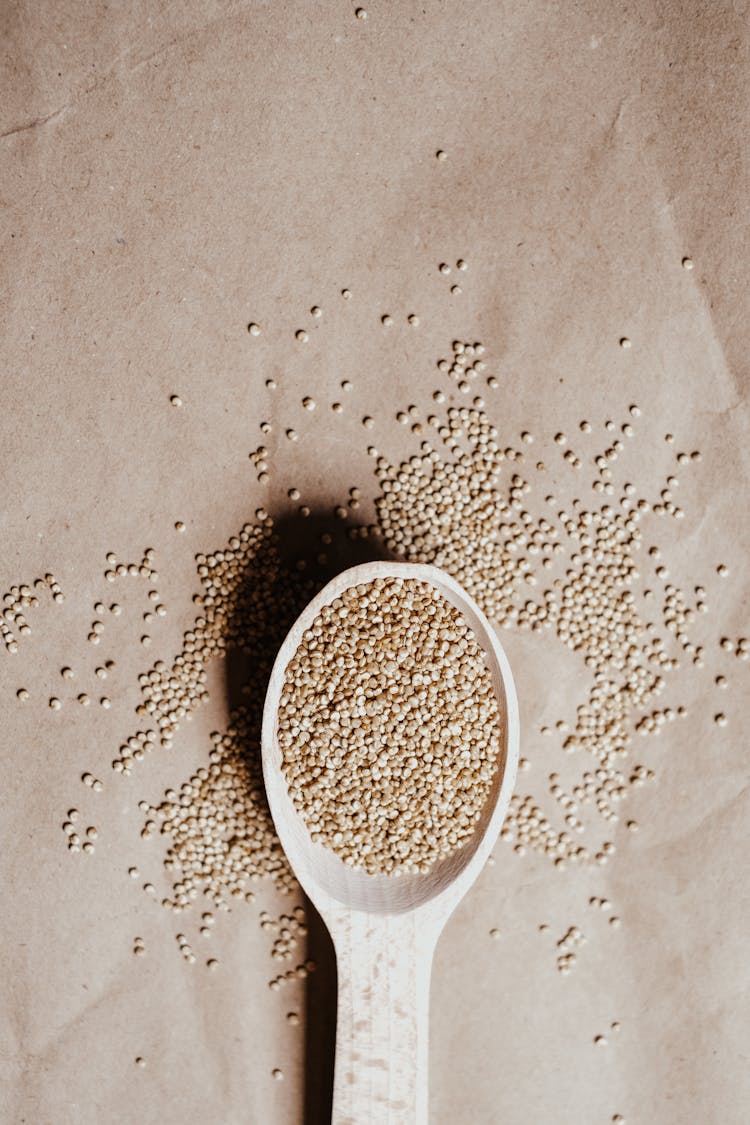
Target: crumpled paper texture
x,y
170,174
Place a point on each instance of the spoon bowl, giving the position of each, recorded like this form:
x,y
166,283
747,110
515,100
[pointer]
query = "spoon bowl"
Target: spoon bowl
x,y
385,927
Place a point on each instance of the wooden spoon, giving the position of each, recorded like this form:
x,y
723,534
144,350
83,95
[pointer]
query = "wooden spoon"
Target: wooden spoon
x,y
385,927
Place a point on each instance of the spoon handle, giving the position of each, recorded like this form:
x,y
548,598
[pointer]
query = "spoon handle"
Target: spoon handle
x,y
383,963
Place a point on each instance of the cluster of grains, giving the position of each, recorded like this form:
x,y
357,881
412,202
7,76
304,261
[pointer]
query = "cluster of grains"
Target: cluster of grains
x,y
445,270
446,506
466,363
92,782
158,609
247,604
208,920
259,458
389,727
657,720
185,949
144,569
526,826
605,905
76,842
134,750
67,674
739,648
301,972
566,957
220,830
219,835
16,601
287,930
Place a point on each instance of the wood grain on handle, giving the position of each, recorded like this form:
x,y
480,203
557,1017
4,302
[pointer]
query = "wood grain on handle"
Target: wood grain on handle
x,y
383,964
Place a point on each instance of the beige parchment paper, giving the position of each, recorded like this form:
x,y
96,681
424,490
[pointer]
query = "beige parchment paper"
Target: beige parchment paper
x,y
172,173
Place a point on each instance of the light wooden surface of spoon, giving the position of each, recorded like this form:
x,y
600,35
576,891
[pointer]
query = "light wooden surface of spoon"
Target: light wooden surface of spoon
x,y
384,927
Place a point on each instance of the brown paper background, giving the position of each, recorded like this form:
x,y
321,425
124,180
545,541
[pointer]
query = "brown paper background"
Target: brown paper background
x,y
171,172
